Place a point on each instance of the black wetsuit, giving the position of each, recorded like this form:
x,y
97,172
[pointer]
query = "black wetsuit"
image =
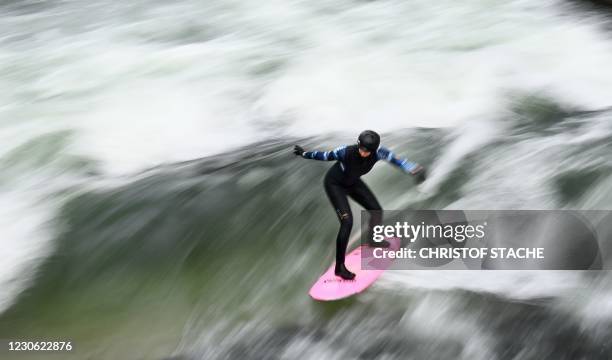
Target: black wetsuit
x,y
343,180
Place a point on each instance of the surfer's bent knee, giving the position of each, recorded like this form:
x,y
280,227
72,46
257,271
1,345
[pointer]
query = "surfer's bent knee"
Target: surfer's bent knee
x,y
344,217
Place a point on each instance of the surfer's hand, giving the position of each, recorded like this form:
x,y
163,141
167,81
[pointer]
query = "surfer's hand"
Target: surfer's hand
x,y
298,150
419,174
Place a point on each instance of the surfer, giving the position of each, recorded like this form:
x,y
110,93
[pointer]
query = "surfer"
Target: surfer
x,y
343,180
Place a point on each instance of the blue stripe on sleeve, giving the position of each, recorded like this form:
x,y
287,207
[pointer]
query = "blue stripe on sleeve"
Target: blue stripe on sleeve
x,y
387,155
336,154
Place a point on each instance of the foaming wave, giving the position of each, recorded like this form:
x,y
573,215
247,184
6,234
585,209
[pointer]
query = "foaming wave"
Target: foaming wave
x,y
23,244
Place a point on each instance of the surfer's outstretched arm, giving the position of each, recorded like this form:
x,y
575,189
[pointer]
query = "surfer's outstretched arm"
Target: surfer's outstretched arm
x,y
336,154
407,166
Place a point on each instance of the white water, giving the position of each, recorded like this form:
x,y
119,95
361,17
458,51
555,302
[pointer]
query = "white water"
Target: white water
x,y
139,85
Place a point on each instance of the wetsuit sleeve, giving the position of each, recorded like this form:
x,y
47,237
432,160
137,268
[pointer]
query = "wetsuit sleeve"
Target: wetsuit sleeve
x,y
336,154
388,156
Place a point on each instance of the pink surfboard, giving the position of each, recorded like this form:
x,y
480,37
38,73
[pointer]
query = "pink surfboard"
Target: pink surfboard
x,y
331,287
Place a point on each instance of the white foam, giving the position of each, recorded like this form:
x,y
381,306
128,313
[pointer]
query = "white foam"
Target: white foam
x,y
145,124
368,66
437,318
512,284
24,242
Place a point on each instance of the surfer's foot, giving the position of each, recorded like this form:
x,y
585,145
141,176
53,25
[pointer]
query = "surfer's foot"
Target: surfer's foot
x,y
379,244
343,272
